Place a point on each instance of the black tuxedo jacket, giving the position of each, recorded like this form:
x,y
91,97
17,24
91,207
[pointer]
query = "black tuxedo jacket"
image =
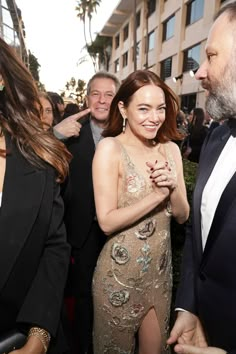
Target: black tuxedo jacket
x,y
34,255
208,281
79,196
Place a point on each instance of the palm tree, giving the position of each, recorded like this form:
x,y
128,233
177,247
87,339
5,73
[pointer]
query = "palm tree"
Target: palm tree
x,y
91,9
99,50
81,9
75,89
85,10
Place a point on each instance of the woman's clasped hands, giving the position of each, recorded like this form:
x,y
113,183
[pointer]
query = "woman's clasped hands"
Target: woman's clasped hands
x,y
161,175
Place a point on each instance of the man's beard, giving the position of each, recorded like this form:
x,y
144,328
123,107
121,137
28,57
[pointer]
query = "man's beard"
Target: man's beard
x,y
221,99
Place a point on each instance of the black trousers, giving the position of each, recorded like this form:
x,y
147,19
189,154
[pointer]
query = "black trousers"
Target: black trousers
x,y
85,259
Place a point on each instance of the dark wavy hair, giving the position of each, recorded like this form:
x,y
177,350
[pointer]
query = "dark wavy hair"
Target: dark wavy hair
x,y
20,116
70,109
198,120
140,78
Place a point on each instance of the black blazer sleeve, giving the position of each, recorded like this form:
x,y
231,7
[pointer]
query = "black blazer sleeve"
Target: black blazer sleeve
x,y
185,297
42,305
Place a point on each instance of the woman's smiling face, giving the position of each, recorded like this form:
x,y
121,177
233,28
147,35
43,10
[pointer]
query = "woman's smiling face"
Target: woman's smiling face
x,y
145,112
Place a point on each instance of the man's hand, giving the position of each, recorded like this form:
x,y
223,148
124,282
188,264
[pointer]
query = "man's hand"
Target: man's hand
x,y
187,330
189,349
70,126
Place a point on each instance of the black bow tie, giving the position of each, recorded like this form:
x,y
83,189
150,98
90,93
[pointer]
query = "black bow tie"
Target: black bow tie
x,y
232,126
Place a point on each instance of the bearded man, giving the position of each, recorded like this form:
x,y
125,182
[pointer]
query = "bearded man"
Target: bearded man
x,y
206,320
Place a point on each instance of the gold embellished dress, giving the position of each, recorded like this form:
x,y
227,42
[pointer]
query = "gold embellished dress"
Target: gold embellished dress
x,y
134,271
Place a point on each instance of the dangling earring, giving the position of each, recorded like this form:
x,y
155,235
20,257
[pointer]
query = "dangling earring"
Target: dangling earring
x,y
1,84
124,124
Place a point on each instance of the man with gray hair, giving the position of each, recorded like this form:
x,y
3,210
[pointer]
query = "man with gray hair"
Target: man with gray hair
x,y
84,233
206,296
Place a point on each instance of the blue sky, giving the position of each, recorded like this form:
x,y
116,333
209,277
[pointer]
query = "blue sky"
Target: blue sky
x,y
55,36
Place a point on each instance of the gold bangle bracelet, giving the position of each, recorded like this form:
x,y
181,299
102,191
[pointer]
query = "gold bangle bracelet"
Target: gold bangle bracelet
x,y
42,335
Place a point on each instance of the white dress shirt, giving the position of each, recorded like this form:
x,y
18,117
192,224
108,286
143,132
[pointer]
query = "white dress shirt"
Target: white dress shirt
x,y
0,198
224,169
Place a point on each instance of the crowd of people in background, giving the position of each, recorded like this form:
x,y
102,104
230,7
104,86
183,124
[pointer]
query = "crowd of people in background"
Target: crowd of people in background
x,y
194,126
86,199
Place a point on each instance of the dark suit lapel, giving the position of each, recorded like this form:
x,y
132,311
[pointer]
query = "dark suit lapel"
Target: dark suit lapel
x,y
208,160
218,222
84,143
21,198
87,139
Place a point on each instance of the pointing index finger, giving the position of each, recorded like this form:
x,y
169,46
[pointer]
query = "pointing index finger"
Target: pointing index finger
x,y
78,116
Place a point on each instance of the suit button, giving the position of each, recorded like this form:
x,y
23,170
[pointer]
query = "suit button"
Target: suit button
x,y
202,276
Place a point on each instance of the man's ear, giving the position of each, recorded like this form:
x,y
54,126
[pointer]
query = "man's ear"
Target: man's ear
x,y
122,109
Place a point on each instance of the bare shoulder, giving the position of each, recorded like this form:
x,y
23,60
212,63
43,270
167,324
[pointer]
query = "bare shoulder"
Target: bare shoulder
x,y
174,148
175,151
109,147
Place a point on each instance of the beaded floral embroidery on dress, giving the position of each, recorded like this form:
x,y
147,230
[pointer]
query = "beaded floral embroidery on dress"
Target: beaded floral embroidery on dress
x,y
134,272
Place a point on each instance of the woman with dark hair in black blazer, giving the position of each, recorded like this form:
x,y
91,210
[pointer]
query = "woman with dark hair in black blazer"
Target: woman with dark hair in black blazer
x,y
34,254
197,135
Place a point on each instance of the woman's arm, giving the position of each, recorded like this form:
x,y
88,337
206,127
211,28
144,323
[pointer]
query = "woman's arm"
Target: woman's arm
x,y
178,196
106,172
35,344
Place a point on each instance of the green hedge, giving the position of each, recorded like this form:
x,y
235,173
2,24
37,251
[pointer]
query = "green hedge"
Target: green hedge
x,y
178,231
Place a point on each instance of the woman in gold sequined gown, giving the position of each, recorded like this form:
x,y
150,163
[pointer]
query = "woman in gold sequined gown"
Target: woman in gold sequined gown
x,y
139,186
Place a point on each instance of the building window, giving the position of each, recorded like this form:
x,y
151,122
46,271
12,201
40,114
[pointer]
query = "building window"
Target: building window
x,y
9,35
151,7
6,17
7,28
117,41
194,11
151,40
192,58
126,32
117,65
166,66
168,28
125,59
138,18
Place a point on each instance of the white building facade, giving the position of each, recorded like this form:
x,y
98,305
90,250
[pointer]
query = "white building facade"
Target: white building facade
x,y
170,38
12,28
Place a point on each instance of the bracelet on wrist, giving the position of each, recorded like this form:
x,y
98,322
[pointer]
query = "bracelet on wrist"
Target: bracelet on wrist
x,y
42,335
